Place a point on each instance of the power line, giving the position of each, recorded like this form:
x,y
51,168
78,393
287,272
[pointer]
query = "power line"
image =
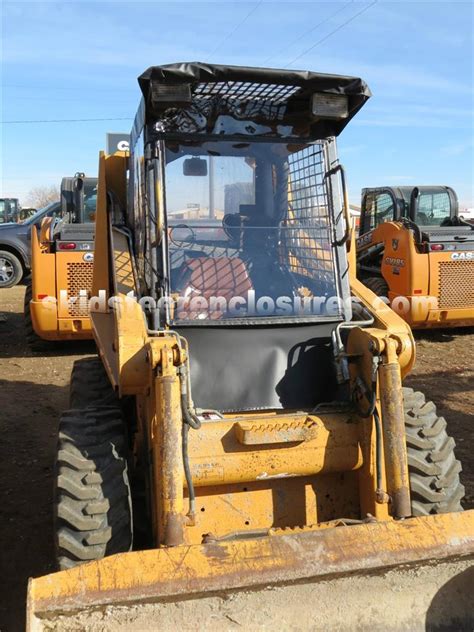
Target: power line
x,y
88,120
234,30
332,32
251,12
112,89
303,35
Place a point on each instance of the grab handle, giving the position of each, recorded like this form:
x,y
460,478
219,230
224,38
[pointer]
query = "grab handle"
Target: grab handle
x,y
339,168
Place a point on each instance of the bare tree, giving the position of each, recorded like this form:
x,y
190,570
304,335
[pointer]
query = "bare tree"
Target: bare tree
x,y
41,196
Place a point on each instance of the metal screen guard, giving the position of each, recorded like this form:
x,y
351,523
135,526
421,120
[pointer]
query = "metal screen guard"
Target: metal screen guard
x,y
316,192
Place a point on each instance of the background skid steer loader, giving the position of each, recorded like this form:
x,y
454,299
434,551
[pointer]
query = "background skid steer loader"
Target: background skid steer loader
x,y
267,457
62,254
412,243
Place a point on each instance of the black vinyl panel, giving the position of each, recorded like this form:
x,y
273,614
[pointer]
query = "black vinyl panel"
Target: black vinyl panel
x,y
242,368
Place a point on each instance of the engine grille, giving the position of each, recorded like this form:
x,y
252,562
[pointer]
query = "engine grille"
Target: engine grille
x,y
456,284
79,286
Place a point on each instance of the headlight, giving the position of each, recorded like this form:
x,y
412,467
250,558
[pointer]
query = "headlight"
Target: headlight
x,y
331,106
174,95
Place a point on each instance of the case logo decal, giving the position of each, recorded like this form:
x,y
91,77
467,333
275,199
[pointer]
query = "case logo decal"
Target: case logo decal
x,y
364,239
463,256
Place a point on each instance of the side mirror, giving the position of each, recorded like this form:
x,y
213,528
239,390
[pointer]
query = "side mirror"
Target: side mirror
x,y
78,182
414,203
195,167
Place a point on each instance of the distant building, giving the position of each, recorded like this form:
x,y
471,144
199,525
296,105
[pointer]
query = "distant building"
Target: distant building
x,y
236,194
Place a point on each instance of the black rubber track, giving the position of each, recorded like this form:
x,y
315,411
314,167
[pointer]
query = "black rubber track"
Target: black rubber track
x,y
434,469
378,285
90,385
34,342
93,516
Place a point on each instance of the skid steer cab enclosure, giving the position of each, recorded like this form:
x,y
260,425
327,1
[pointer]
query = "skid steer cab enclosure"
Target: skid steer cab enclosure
x,y
414,249
242,449
62,254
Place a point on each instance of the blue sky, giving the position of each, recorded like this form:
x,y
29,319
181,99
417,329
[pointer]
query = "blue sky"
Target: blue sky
x,y
77,60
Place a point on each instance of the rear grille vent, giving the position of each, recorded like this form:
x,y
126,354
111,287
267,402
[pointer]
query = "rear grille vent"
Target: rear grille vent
x,y
456,284
79,277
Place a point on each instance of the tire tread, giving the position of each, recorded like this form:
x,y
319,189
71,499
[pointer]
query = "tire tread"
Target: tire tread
x,y
93,504
433,467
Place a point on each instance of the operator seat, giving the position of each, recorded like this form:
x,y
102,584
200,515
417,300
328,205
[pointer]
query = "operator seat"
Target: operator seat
x,y
260,243
201,278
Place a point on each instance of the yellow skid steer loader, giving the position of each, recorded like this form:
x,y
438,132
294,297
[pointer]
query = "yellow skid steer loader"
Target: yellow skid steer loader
x,y
415,249
242,452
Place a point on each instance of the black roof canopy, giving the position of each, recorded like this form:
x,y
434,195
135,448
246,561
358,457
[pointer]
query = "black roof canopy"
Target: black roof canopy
x,y
213,99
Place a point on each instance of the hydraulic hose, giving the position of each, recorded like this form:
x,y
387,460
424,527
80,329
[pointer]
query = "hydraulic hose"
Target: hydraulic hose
x,y
378,449
189,417
371,395
190,420
187,473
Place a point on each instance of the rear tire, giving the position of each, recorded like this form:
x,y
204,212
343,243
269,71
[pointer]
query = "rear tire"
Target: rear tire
x,y
90,385
378,285
433,467
11,270
93,515
34,341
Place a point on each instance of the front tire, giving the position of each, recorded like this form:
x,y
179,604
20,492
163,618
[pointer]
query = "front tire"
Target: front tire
x,y
378,285
433,467
93,514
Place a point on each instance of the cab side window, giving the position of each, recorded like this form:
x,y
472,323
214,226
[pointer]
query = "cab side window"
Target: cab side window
x,y
384,209
433,209
367,219
377,208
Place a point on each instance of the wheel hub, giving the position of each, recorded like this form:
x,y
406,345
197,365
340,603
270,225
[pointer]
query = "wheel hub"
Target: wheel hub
x,y
6,270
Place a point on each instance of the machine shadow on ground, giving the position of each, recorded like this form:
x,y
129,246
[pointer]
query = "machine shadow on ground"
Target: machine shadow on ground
x,y
28,425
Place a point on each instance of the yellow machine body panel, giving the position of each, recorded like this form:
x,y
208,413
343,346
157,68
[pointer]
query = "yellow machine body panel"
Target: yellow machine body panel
x,y
61,289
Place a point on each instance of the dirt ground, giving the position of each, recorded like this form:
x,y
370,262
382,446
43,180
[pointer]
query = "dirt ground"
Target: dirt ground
x,y
34,389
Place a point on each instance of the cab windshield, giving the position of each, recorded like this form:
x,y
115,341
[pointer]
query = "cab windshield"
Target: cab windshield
x,y
249,231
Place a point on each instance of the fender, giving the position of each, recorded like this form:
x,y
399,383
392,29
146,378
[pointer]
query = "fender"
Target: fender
x,y
18,250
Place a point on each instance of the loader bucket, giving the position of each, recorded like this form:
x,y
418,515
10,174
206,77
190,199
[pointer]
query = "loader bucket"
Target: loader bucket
x,y
412,574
